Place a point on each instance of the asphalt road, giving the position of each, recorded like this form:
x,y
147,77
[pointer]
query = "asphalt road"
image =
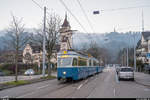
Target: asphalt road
x,y
102,85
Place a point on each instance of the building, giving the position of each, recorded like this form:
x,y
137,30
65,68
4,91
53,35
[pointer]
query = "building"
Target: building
x,y
143,47
32,54
65,35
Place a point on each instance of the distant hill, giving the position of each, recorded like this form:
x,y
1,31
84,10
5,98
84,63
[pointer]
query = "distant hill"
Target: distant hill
x,y
112,41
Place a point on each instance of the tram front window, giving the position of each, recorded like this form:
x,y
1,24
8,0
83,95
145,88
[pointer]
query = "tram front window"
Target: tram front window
x,y
65,62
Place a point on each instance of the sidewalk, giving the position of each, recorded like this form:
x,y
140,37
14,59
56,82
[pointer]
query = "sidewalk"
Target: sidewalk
x,y
142,78
4,79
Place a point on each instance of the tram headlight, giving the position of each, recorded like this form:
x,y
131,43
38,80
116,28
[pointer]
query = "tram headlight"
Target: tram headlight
x,y
64,73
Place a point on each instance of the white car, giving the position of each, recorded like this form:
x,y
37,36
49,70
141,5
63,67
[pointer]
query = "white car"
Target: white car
x,y
29,72
126,73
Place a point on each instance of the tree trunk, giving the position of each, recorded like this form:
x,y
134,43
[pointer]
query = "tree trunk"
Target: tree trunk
x,y
16,69
49,68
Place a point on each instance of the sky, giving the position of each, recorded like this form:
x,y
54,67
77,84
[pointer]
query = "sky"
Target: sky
x,y
122,20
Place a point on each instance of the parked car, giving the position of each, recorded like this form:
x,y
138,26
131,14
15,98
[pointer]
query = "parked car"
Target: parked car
x,y
29,72
2,73
126,73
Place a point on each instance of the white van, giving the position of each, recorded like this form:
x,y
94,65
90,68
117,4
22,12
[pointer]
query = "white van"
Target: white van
x,y
126,73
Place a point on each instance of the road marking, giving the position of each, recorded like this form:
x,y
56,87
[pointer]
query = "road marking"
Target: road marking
x,y
79,86
26,94
114,92
5,96
146,90
117,81
43,86
86,81
32,92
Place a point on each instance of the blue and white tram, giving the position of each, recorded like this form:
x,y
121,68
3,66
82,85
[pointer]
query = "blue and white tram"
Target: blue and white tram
x,y
75,66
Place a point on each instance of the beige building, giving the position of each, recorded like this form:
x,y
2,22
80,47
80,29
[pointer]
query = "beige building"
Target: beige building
x,y
34,54
143,48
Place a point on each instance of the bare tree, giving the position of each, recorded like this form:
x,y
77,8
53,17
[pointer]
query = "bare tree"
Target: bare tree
x,y
52,35
16,39
101,54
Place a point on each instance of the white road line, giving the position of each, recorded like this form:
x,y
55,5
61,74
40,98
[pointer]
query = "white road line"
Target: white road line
x,y
32,92
26,94
5,96
86,81
117,81
42,87
114,92
79,86
147,90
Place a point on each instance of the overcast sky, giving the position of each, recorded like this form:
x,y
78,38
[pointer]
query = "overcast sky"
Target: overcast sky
x,y
106,21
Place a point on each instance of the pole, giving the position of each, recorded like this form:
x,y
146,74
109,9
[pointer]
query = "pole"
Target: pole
x,y
142,21
127,57
134,54
43,72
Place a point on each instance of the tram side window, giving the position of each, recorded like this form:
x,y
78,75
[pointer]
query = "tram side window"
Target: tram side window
x,y
74,62
94,63
97,64
82,63
90,63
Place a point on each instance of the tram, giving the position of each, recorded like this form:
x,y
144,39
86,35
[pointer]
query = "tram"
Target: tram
x,y
72,65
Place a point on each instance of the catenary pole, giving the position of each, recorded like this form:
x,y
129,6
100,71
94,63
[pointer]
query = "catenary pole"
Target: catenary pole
x,y
43,72
134,54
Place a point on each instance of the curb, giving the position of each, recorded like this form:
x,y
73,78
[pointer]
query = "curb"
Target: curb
x,y
141,83
2,86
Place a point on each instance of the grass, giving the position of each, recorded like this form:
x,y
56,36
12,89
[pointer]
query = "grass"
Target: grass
x,y
19,82
23,82
48,77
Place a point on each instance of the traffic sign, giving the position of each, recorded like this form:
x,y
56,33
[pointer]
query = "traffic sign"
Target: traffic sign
x,y
95,12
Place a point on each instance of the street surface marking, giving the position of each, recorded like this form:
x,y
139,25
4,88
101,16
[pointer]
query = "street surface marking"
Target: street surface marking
x,y
43,86
147,90
114,92
86,81
5,96
117,81
79,86
26,94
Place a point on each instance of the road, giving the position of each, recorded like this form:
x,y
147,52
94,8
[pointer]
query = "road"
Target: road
x,y
103,85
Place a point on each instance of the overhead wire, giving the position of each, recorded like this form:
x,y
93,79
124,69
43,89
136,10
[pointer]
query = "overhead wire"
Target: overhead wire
x,y
42,8
37,4
72,15
90,24
125,8
74,18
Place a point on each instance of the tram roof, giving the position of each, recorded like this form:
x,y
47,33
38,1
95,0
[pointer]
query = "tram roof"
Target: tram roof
x,y
75,53
72,53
